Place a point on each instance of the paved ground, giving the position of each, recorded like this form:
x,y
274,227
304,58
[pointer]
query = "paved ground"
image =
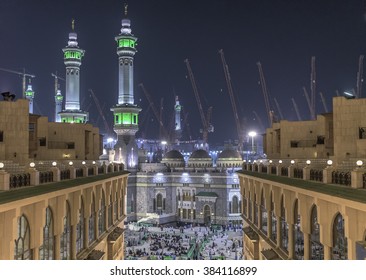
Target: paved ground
x,y
179,243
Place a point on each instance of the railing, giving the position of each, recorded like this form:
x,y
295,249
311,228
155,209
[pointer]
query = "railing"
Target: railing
x,y
342,178
298,173
65,174
45,177
19,180
316,175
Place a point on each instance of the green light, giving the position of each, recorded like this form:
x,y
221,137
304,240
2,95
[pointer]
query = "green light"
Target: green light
x,y
126,119
72,55
72,119
126,43
29,93
178,107
59,97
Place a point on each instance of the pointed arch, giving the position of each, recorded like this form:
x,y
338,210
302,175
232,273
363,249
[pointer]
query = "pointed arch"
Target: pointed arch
x,y
22,249
316,248
92,219
264,215
80,227
273,220
235,204
46,251
298,234
340,244
65,239
110,211
101,215
284,225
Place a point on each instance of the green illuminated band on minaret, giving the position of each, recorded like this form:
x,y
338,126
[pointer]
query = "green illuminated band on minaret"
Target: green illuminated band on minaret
x,y
72,59
125,112
29,94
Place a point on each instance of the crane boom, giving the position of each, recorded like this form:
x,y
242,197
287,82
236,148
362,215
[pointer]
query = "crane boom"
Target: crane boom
x,y
278,108
23,74
56,81
308,101
313,87
265,93
155,111
360,76
323,101
296,109
160,118
231,94
203,118
106,126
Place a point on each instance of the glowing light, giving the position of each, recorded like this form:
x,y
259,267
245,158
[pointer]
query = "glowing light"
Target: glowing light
x,y
54,163
329,162
359,163
280,161
32,164
308,162
292,162
83,162
1,165
71,163
270,161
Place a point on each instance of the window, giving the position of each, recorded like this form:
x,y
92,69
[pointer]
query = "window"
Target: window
x,y
235,204
110,211
1,136
284,226
115,210
42,141
101,216
294,144
274,221
65,239
22,249
80,229
339,239
92,218
70,145
362,132
298,234
317,249
264,216
46,251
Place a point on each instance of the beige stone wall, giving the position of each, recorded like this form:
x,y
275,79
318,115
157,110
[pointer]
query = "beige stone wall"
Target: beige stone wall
x,y
34,209
14,125
328,206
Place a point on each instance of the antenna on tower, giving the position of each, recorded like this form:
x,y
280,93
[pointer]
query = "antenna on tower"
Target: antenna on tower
x,y
126,6
73,24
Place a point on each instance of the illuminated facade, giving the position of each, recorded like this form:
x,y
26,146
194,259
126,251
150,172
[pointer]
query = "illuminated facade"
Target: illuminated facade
x,y
197,192
125,113
58,105
72,59
29,95
178,128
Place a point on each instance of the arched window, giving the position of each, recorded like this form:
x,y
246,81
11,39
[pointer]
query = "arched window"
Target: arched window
x,y
340,251
46,251
273,220
298,234
92,218
115,208
317,249
250,212
235,204
65,239
256,210
264,216
284,227
245,205
110,211
122,204
22,249
80,229
101,215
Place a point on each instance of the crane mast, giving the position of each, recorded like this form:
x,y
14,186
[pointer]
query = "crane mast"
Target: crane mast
x,y
265,94
24,77
155,111
313,87
296,109
323,101
56,81
205,124
360,76
308,101
278,108
231,94
106,126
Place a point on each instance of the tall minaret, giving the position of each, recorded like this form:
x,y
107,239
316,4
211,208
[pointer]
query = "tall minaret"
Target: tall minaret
x,y
178,128
72,59
29,94
126,112
58,105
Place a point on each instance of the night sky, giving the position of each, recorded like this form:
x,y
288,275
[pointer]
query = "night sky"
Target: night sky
x,y
281,34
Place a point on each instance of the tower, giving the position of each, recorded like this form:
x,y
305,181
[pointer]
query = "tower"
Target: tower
x,y
58,105
29,94
126,113
72,59
178,128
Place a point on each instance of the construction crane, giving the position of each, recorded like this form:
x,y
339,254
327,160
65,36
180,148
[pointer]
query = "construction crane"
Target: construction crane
x,y
155,111
56,80
233,103
161,118
265,94
296,109
106,126
323,101
24,77
359,76
278,108
205,124
313,87
308,101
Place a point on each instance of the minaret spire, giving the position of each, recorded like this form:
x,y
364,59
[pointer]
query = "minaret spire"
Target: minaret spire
x,y
73,25
126,7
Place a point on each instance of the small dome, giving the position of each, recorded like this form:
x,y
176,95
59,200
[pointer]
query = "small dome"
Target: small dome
x,y
173,154
200,154
232,154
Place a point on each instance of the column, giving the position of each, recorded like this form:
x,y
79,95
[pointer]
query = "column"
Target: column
x,y
306,173
72,172
357,178
306,246
327,175
327,252
291,243
291,171
4,180
73,242
85,171
56,174
34,176
278,227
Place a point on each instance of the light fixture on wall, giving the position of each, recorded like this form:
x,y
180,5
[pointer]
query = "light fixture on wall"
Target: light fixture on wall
x,y
329,162
359,163
308,162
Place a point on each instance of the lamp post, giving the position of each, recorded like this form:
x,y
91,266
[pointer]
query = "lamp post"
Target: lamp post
x,y
252,134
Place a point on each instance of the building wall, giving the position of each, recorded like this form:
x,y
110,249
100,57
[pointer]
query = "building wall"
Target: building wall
x,y
328,206
34,209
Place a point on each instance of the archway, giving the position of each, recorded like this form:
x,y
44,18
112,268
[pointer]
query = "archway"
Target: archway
x,y
340,248
317,249
207,215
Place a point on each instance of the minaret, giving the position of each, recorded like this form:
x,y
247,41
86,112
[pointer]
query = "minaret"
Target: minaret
x,y
58,105
178,128
126,112
29,94
72,59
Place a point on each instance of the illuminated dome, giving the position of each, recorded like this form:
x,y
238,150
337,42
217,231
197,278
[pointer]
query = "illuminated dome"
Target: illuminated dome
x,y
229,158
173,158
200,159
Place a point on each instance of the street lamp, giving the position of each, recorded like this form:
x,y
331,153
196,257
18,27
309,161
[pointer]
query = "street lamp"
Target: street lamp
x,y
252,134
